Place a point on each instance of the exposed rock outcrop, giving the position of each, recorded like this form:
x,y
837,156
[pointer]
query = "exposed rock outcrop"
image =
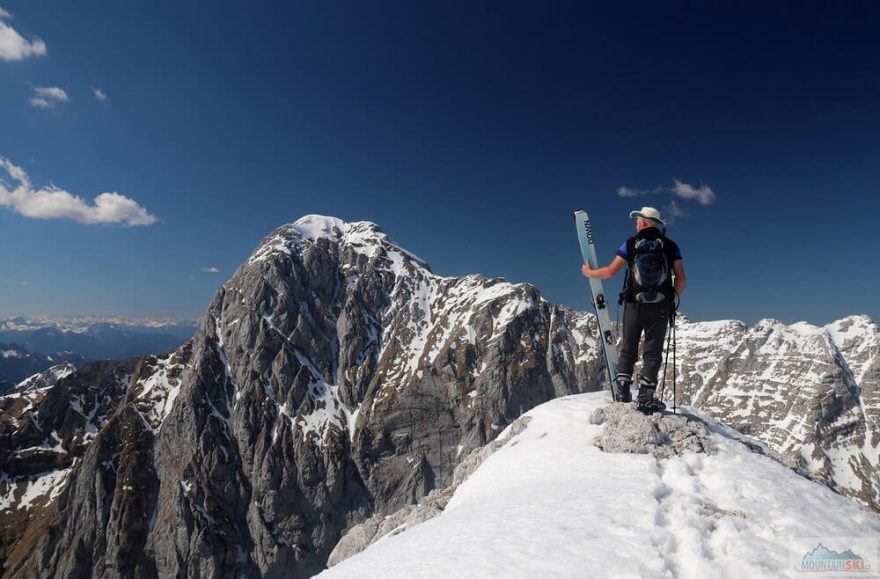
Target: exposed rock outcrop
x,y
662,435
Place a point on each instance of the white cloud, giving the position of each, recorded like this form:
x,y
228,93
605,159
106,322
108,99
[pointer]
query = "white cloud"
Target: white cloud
x,y
51,202
13,46
39,103
99,94
52,92
211,269
704,195
629,192
672,212
633,192
47,97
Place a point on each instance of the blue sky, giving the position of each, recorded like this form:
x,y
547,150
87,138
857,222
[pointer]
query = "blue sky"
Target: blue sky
x,y
468,130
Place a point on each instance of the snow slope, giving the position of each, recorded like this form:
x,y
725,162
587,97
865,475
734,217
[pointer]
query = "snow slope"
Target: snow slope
x,y
551,504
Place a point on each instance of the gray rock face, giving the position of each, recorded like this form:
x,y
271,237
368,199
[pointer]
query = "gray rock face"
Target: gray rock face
x,y
334,378
811,394
381,526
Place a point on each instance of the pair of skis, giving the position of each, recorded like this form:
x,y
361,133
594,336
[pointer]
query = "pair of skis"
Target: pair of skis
x,y
600,303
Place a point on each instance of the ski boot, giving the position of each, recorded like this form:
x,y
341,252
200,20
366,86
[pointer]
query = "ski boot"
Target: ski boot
x,y
620,391
648,404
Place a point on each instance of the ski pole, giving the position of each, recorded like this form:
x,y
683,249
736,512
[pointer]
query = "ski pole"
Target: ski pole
x,y
665,367
674,402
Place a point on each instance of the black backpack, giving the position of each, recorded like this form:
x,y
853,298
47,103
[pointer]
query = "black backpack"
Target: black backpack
x,y
649,271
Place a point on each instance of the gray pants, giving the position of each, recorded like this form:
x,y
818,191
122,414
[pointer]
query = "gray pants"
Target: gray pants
x,y
651,319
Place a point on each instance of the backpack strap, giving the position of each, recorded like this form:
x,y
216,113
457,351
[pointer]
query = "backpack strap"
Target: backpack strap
x,y
624,289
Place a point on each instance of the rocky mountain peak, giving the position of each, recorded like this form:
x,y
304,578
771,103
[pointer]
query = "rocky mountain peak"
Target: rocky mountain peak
x,y
315,226
363,238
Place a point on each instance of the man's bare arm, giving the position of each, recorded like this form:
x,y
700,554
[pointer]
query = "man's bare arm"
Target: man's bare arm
x,y
604,272
680,277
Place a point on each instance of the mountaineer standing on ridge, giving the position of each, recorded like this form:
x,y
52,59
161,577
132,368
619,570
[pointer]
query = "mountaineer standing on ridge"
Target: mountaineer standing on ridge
x,y
651,300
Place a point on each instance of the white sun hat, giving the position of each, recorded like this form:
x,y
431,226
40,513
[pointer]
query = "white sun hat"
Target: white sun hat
x,y
648,213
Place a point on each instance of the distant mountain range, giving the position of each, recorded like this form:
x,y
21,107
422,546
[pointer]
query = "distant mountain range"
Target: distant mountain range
x,y
82,324
96,338
31,345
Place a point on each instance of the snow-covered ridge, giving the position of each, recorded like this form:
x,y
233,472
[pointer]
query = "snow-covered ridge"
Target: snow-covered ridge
x,y
551,504
840,331
45,379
